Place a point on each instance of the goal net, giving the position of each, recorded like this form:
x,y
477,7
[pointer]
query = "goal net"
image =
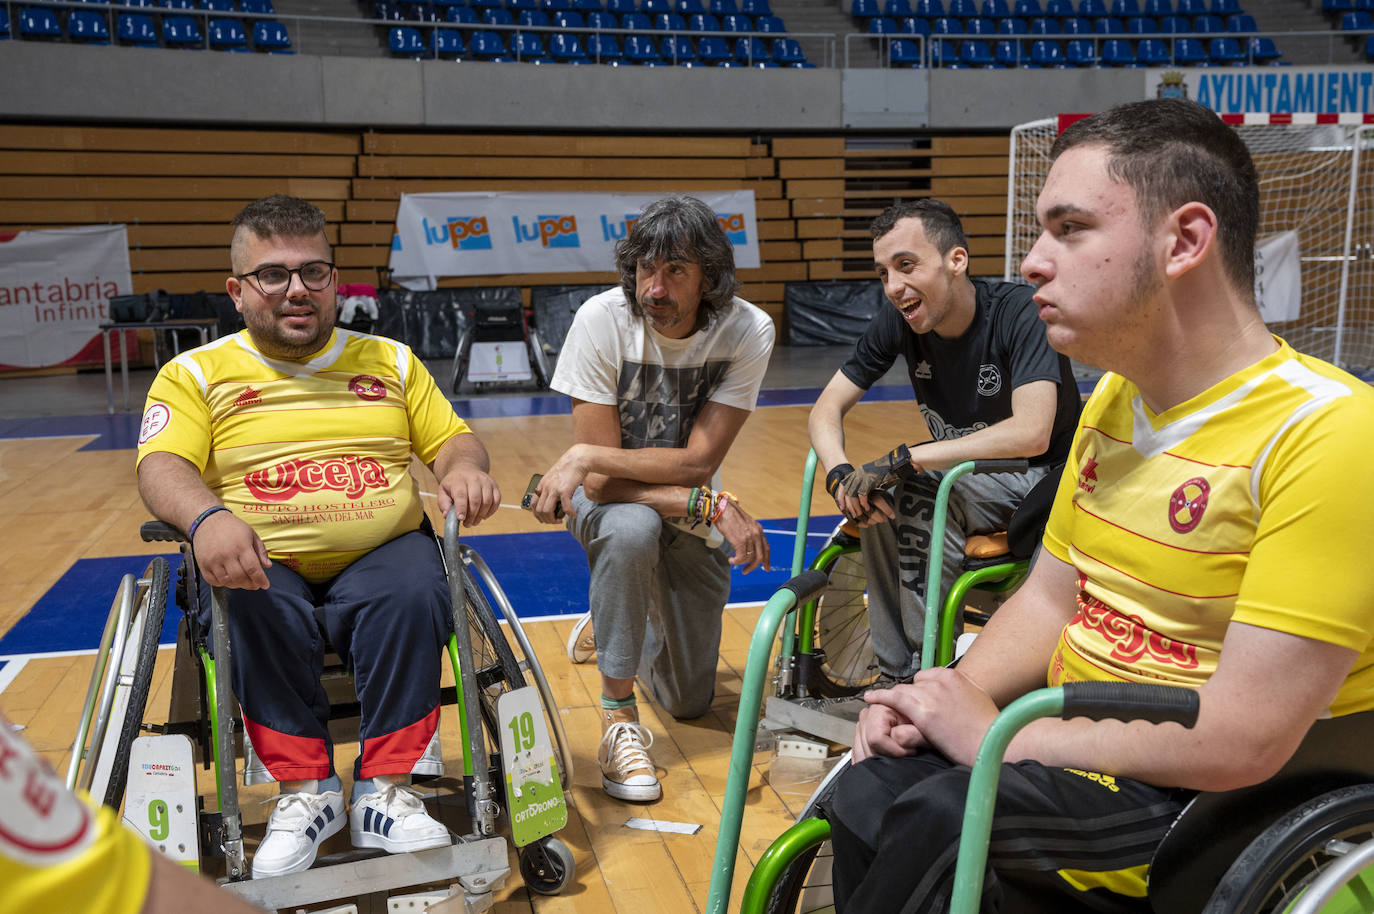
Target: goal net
x,y
1316,182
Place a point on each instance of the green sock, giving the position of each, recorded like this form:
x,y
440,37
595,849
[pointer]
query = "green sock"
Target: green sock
x,y
615,704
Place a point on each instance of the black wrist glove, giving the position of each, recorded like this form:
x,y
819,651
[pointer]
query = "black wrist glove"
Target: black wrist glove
x,y
835,478
881,473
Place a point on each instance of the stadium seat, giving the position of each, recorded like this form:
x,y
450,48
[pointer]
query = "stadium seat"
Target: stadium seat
x,y
497,15
702,22
1241,23
566,48
677,49
640,49
1091,9
882,25
1173,25
85,26
1208,25
688,7
946,25
180,5
1012,27
865,9
589,6
722,7
1226,52
218,6
448,44
1157,8
748,50
668,22
1142,25
603,48
182,32
257,7
602,20
386,11
1076,25
1368,47
528,46
1109,25
994,9
1117,53
930,9
1125,9
554,6
976,54
5,34
535,19
621,7
1189,52
485,45
1060,9
1225,8
755,8
653,7
1190,8
1045,25
712,49
904,53
1081,53
516,6
962,9
462,15
1152,52
406,41
136,29
1357,21
1008,53
39,24
769,24
787,51
1027,9
568,19
736,22
914,25
638,22
270,35
1045,53
1263,50
979,25
895,9
943,53
227,35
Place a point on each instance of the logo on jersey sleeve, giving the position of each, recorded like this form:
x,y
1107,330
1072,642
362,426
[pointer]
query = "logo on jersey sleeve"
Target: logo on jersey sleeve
x,y
1187,505
154,421
350,475
367,387
41,823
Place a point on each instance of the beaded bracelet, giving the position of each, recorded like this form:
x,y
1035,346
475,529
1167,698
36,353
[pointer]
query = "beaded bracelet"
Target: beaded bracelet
x,y
195,524
699,506
722,499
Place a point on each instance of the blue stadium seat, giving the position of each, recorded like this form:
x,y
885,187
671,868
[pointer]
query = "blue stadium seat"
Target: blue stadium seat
x,y
722,7
979,25
462,15
688,7
1091,9
638,22
180,5
1045,25
914,25
1225,8
1027,9
480,5
1263,50
946,25
769,24
589,6
621,7
883,25
1208,25
1008,53
904,53
677,49
787,51
1076,25
930,9
1190,8
1142,25
977,53
270,35
712,49
227,35
136,29
1157,8
486,45
1152,52
448,44
566,48
1012,27
387,11
1357,21
1117,53
668,22
85,26
1241,24
219,6
182,32
515,6
1060,9
528,46
943,53
755,8
702,22
865,9
1125,9
39,24
1189,52
1045,53
653,7
1368,47
640,49
748,50
897,9
1226,52
497,15
535,19
995,9
1109,25
1173,25
603,48
568,19
602,20
1081,53
554,6
406,41
963,9
257,7
736,22
5,28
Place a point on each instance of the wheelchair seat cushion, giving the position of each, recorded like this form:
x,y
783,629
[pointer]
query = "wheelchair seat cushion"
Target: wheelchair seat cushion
x,y
1027,524
986,546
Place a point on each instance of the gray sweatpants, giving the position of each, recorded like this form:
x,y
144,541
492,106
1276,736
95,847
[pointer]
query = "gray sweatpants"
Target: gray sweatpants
x,y
978,503
657,594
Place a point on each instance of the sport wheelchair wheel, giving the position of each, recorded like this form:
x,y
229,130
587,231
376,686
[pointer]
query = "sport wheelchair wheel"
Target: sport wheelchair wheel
x,y
805,884
1286,857
841,627
494,662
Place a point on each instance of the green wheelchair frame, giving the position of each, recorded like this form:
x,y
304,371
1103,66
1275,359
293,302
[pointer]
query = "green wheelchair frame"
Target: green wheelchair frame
x,y
120,681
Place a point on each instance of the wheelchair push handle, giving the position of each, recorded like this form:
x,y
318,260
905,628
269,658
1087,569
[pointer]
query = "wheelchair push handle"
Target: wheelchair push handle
x,y
1131,701
807,586
1001,465
157,531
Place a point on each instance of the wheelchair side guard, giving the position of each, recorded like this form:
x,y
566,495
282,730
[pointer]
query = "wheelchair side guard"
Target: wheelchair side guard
x,y
534,792
805,835
160,800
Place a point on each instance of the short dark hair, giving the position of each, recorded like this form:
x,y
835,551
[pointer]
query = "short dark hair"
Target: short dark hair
x,y
942,226
680,228
1172,152
277,216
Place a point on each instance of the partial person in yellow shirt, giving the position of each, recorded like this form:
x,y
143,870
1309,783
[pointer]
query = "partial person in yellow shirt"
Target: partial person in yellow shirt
x,y
283,452
60,853
1211,530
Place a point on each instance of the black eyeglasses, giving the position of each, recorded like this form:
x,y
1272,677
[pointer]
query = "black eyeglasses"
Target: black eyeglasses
x,y
315,276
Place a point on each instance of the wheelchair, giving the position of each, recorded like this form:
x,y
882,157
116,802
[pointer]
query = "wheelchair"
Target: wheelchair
x,y
1303,841
826,653
478,359
490,686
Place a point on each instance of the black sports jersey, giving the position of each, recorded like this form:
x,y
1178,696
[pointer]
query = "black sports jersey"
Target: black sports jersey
x,y
965,384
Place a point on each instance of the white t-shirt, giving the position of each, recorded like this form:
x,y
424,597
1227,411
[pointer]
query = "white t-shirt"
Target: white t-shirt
x,y
659,384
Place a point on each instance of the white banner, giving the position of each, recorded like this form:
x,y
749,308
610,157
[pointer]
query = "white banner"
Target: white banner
x,y
1273,90
1278,277
477,234
55,286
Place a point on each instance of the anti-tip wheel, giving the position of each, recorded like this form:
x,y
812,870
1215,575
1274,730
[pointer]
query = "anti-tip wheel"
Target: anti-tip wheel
x,y
546,865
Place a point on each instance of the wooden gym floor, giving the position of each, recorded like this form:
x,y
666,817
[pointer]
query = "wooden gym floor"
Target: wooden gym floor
x,y
63,504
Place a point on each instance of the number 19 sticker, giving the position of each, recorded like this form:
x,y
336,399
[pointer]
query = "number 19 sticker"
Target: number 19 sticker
x,y
533,792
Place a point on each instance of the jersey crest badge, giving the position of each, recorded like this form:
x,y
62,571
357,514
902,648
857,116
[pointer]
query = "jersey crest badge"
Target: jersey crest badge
x,y
367,387
989,381
1187,504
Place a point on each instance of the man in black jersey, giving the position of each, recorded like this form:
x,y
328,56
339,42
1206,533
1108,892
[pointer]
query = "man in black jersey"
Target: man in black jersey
x,y
988,385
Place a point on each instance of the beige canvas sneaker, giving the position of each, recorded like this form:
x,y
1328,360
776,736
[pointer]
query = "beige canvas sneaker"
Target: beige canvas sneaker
x,y
582,641
627,771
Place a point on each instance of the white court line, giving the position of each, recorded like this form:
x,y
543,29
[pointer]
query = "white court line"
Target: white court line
x,y
16,662
11,670
50,437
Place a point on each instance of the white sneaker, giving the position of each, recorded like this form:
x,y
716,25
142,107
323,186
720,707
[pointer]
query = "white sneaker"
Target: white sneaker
x,y
627,771
396,821
582,641
295,831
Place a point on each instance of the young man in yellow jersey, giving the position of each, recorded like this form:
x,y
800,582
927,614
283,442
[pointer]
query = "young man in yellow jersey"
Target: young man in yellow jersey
x,y
1191,543
283,452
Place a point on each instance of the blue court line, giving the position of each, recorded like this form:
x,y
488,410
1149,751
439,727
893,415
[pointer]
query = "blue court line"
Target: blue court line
x,y
542,574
